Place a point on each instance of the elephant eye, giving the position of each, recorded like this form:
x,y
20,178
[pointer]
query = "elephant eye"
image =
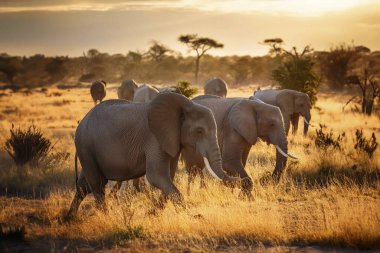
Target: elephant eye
x,y
199,131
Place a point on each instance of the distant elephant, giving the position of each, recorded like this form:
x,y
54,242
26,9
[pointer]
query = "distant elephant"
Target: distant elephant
x,y
98,91
118,140
240,122
291,103
216,86
127,90
145,93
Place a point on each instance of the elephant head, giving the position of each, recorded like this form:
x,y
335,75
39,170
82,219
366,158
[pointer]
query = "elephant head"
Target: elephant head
x,y
127,89
296,102
180,124
253,119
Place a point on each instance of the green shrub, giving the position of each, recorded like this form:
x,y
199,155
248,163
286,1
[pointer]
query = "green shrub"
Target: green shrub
x,y
186,89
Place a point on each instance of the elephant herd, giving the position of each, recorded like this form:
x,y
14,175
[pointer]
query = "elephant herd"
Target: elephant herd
x,y
119,140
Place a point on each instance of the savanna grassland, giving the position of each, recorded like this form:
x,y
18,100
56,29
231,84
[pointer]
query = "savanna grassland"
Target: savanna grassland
x,y
328,199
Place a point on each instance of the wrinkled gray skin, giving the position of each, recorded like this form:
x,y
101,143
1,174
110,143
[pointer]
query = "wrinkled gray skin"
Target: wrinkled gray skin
x,y
216,86
118,140
145,93
240,123
291,103
127,90
98,90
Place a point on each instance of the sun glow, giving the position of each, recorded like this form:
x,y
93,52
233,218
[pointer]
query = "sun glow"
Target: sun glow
x,y
290,7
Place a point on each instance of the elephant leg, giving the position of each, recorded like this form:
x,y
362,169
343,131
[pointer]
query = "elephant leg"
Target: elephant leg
x,y
95,179
245,156
202,176
173,166
158,175
82,190
232,158
190,179
294,121
115,189
286,122
136,184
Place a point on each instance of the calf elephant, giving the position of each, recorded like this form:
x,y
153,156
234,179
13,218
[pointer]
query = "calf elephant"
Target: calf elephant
x,y
127,90
98,91
118,140
291,103
216,86
240,123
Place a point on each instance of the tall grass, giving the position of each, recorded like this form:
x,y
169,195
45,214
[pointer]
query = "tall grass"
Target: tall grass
x,y
327,197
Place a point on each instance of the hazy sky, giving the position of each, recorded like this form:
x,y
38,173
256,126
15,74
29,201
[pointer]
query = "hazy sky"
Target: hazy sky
x,y
64,27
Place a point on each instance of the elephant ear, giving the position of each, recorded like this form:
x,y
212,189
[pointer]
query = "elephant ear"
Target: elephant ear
x,y
285,100
164,118
243,119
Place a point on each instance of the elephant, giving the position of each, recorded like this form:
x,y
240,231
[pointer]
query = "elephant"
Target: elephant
x,y
127,90
240,122
216,86
145,93
118,140
291,103
98,91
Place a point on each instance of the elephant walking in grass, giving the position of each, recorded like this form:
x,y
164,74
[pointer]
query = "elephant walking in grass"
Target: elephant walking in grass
x,y
118,140
127,90
291,103
98,91
216,86
240,123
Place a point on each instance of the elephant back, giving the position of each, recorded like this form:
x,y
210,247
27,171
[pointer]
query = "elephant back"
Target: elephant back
x,y
216,86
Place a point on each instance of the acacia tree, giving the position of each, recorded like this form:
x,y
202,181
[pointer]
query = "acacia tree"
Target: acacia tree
x,y
296,70
200,45
157,51
368,82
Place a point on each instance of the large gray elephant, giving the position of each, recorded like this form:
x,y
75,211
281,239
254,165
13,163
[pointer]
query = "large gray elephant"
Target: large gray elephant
x,y
98,90
291,103
145,93
240,123
118,140
216,86
127,90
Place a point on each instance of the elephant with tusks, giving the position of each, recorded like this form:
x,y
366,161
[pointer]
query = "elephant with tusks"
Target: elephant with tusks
x,y
240,123
118,140
291,103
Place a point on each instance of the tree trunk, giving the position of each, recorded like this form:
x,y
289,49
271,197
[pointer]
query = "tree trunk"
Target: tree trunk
x,y
197,61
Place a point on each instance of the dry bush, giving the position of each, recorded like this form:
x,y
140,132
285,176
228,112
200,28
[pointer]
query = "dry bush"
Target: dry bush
x,y
27,146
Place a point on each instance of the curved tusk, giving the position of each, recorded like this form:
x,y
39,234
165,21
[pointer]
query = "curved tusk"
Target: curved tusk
x,y
146,181
285,154
208,167
307,122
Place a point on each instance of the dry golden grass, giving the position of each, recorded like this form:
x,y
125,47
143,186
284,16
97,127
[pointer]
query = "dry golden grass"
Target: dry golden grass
x,y
328,198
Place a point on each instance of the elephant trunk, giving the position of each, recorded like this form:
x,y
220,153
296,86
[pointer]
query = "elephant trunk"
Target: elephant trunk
x,y
306,123
281,159
213,163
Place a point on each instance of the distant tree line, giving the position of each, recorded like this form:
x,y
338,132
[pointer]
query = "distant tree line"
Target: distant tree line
x,y
347,67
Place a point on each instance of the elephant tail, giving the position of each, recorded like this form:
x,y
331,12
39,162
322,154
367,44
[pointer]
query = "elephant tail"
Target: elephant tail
x,y
76,170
